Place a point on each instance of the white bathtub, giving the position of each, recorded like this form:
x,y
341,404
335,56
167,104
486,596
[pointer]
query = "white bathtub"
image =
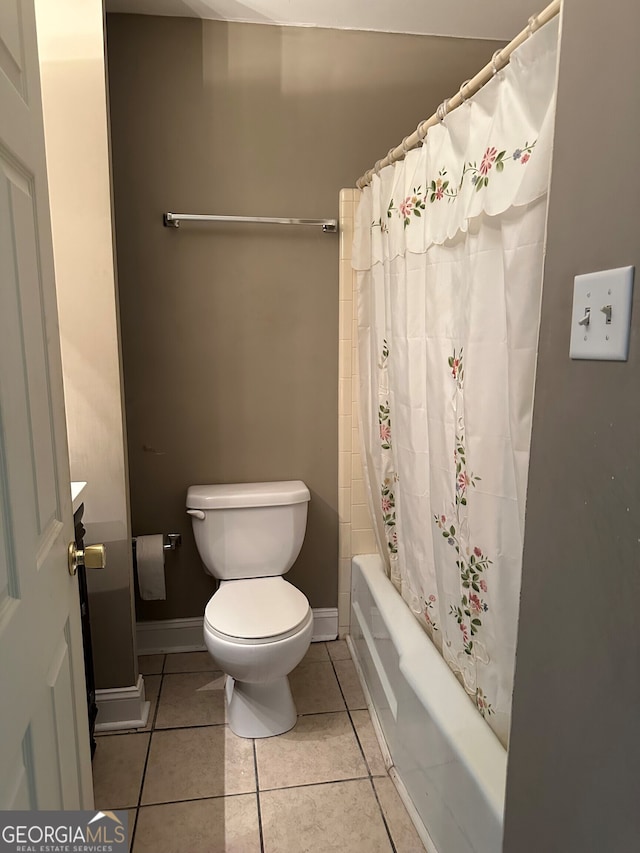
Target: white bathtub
x,y
449,761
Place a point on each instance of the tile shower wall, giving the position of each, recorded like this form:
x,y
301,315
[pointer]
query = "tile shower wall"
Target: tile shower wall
x,y
355,531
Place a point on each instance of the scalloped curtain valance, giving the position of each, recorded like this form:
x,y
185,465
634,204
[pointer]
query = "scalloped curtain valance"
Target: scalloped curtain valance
x,y
492,153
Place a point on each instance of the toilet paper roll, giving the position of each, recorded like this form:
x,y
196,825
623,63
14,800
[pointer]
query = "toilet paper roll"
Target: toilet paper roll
x,y
150,561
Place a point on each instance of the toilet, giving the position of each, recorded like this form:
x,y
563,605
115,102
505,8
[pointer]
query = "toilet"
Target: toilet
x,y
257,626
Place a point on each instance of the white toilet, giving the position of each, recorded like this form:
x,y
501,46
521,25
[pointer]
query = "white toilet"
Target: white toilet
x,y
257,626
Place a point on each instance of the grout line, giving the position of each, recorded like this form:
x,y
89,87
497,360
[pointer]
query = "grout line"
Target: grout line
x,y
362,752
146,760
157,708
197,799
365,778
382,815
318,713
344,698
218,725
133,829
261,791
192,726
255,769
353,725
371,776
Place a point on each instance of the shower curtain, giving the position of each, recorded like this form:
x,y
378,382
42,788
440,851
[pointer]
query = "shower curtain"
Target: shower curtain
x,y
449,251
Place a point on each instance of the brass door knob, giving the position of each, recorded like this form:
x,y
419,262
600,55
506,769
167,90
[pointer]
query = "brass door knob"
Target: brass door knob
x,y
92,557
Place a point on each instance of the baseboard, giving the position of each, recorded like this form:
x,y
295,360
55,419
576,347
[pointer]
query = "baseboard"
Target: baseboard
x,y
185,635
325,624
122,708
170,635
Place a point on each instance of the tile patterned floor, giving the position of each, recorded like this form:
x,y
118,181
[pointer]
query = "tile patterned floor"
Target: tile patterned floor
x,y
191,785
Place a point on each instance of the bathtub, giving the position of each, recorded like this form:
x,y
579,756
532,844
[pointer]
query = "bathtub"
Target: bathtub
x,y
448,761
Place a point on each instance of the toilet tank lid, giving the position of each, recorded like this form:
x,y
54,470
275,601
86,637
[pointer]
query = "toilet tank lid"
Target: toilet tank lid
x,y
231,495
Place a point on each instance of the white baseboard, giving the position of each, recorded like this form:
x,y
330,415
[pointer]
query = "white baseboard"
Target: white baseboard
x,y
185,635
325,624
122,708
170,635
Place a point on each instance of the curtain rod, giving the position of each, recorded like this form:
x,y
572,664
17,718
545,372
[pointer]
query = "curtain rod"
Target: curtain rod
x,y
172,220
499,60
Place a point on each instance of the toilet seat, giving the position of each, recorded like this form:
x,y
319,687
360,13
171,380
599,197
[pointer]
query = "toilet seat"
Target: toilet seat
x,y
257,610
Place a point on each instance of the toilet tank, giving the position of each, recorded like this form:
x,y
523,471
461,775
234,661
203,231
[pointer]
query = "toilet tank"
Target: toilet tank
x,y
249,530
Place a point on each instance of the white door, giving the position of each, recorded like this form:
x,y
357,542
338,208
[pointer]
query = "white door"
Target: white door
x,y
44,744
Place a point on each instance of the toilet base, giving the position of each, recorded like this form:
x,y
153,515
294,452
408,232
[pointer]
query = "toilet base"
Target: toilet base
x,y
260,710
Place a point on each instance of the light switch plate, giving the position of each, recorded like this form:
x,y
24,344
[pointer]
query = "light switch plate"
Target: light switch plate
x,y
599,296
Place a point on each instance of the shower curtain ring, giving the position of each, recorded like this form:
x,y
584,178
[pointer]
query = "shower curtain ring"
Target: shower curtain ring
x,y
421,135
494,61
442,110
389,153
403,145
376,167
463,98
531,26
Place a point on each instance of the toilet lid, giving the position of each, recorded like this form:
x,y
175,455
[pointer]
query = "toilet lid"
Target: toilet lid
x,y
256,608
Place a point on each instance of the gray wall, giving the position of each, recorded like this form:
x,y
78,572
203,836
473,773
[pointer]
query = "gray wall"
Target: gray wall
x,y
230,334
573,777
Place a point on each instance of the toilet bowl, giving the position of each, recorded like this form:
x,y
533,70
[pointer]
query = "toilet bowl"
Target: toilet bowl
x,y
257,626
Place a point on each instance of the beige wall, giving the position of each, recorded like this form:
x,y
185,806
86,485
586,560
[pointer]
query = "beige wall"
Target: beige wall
x,y
230,333
573,782
71,49
356,534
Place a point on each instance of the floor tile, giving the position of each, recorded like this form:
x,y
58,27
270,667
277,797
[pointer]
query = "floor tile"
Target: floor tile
x,y
190,662
189,764
350,684
228,824
321,748
150,664
315,688
191,699
117,770
403,833
369,742
317,652
320,818
338,650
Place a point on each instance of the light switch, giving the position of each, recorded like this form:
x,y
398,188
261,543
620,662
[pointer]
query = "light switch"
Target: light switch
x,y
601,317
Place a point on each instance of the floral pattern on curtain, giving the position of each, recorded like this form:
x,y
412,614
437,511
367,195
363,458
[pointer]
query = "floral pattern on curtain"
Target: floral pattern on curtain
x,y
449,250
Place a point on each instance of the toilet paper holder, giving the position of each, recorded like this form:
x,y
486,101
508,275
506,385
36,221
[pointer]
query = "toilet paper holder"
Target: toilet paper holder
x,y
170,543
